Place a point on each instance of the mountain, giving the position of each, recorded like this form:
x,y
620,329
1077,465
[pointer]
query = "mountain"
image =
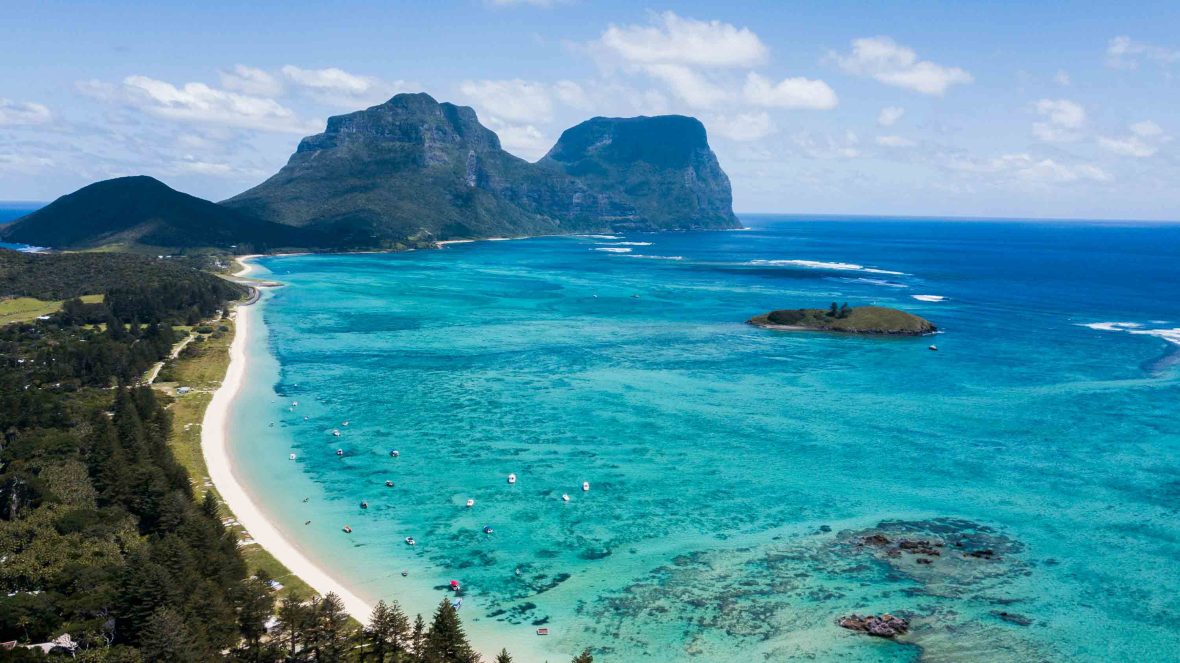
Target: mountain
x,y
416,169
142,211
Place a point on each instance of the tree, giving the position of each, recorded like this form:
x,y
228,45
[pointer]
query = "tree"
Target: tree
x,y
446,642
845,310
293,623
503,657
418,637
833,310
167,639
330,635
388,632
253,605
584,657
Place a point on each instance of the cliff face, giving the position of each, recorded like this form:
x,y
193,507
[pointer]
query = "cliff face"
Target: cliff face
x,y
414,168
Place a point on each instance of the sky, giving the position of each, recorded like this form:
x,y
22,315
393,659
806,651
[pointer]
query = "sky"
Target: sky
x,y
966,109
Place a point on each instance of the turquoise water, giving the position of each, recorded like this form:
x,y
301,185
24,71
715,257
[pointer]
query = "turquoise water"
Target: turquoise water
x,y
732,469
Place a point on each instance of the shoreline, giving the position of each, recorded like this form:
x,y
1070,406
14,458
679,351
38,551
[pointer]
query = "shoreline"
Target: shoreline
x,y
215,436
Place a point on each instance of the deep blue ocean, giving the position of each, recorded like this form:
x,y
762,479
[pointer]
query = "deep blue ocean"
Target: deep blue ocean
x,y
735,472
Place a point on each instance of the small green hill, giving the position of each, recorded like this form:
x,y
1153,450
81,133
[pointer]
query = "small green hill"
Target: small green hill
x,y
850,320
140,211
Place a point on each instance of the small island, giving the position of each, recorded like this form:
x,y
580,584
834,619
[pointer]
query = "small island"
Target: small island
x,y
874,320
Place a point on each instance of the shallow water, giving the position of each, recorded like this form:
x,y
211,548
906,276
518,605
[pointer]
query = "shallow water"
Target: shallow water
x,y
734,470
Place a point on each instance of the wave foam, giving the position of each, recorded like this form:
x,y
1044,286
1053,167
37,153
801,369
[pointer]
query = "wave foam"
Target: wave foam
x,y
609,249
1170,335
640,255
880,282
600,236
929,298
819,264
623,244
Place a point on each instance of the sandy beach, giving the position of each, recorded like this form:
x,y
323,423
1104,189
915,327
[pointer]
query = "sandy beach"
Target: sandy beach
x,y
215,437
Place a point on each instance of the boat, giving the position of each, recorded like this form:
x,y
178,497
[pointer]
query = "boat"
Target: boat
x,y
457,603
454,585
410,541
305,417
393,453
292,456
347,529
542,631
470,503
511,478
934,348
364,504
389,484
335,432
405,573
340,452
487,529
294,403
565,497
585,486
344,423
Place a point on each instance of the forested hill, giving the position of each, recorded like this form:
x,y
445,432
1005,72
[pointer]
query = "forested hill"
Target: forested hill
x,y
143,213
66,275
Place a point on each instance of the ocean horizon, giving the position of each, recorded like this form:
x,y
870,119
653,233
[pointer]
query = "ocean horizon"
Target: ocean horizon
x,y
736,472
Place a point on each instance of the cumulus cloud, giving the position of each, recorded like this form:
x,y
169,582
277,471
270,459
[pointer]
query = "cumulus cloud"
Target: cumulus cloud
x,y
513,100
690,86
825,146
1062,78
1063,120
336,87
894,141
571,94
671,39
1145,139
789,93
252,81
890,63
23,163
889,115
1125,53
1023,167
742,127
23,112
200,103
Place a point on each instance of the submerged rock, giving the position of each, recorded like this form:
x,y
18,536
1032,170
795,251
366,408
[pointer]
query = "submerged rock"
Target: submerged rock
x,y
884,626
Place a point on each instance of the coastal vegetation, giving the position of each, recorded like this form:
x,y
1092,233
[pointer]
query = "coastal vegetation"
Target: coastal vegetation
x,y
846,319
111,551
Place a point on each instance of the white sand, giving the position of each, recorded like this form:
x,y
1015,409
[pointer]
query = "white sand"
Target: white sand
x,y
215,434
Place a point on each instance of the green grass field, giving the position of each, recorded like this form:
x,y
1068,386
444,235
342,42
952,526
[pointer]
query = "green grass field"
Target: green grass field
x,y
24,309
203,374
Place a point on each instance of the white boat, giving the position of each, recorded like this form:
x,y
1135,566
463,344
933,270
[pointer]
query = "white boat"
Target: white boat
x,y
344,423
410,541
335,432
393,453
470,503
585,486
511,478
292,456
294,403
565,497
934,348
340,452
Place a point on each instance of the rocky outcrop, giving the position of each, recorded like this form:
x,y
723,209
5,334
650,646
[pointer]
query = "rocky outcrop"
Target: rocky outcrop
x,y
413,169
884,626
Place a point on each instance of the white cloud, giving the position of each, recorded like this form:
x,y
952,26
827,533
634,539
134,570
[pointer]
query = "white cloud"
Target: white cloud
x,y
1145,140
23,163
789,93
1063,120
23,112
191,164
337,87
894,141
684,41
889,115
1062,78
571,94
893,64
827,147
1028,169
692,87
249,80
523,140
742,127
518,3
510,100
198,102
1125,53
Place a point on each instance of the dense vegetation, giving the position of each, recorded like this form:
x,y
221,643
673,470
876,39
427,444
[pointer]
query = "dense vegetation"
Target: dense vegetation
x,y
853,320
101,535
135,212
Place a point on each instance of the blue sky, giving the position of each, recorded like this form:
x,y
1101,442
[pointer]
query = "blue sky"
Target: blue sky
x,y
965,109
